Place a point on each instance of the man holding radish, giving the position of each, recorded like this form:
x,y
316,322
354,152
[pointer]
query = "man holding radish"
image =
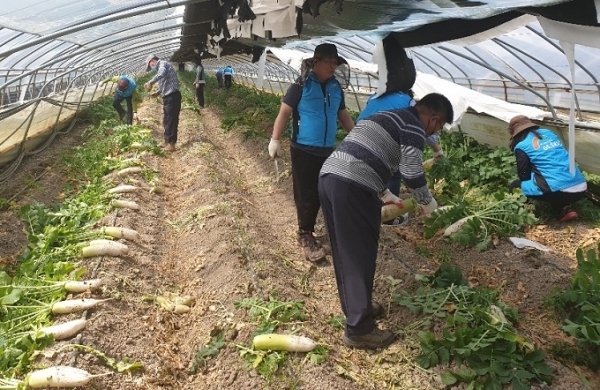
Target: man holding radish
x,y
351,188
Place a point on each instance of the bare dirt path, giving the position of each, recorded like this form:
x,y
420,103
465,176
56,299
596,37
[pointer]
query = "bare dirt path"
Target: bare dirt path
x,y
224,230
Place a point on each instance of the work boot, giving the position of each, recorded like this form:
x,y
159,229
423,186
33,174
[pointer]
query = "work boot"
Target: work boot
x,y
312,249
398,221
169,147
376,339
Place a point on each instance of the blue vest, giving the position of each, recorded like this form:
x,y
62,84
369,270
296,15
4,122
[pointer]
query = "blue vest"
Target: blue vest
x,y
386,102
130,88
317,112
228,71
551,159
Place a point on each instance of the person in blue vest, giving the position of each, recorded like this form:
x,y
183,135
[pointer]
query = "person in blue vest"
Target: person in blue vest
x,y
543,167
228,76
125,91
316,102
219,75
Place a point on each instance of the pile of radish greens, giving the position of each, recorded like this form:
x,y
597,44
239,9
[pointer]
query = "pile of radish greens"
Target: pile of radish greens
x,y
33,289
472,182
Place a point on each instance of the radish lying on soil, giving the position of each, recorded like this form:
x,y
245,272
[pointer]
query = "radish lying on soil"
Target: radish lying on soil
x,y
65,330
129,171
75,286
59,376
121,232
174,307
283,342
123,188
456,226
75,305
125,204
104,248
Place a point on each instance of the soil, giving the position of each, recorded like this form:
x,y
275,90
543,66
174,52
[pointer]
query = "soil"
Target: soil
x,y
224,230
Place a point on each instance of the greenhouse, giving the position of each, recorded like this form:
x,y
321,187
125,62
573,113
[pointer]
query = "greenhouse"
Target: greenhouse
x,y
153,215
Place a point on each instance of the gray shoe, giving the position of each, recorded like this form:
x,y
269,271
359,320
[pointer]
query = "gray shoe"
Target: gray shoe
x,y
398,221
376,339
311,247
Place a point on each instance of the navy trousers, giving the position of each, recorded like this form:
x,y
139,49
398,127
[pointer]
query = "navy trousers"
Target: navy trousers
x,y
171,109
305,179
353,220
117,105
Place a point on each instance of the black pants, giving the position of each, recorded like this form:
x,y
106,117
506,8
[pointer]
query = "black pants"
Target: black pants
x,y
117,105
200,94
353,220
557,200
171,109
305,178
228,78
220,80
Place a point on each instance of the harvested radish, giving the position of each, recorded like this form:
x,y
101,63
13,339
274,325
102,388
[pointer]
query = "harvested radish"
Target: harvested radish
x,y
129,171
109,248
59,376
283,342
122,189
125,204
121,232
174,307
65,330
75,305
427,164
74,286
138,183
391,211
156,190
456,226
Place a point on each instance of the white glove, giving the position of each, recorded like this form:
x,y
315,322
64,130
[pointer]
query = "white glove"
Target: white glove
x,y
429,207
438,154
387,197
148,87
274,148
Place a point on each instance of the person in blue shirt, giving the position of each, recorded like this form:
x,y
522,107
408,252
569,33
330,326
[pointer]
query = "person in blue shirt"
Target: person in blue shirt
x,y
228,76
317,103
125,91
219,75
543,167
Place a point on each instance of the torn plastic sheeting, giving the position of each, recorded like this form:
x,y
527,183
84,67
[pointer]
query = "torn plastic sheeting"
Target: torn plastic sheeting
x,y
282,23
258,26
521,243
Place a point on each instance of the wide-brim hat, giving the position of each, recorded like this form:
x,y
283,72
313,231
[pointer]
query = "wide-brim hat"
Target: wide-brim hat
x,y
328,50
518,124
148,59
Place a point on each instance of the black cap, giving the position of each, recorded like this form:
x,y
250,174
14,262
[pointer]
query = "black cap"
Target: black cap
x,y
328,50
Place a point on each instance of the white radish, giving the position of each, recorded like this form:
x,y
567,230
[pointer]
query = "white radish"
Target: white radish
x,y
283,342
109,248
128,204
427,164
137,146
123,188
138,183
129,171
156,190
75,286
59,376
456,226
121,232
65,330
75,305
391,211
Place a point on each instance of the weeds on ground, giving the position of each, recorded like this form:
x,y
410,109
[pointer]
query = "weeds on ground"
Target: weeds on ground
x,y
579,306
478,335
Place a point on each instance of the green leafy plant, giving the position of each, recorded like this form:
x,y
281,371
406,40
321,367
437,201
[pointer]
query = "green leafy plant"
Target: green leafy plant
x,y
478,335
205,353
270,314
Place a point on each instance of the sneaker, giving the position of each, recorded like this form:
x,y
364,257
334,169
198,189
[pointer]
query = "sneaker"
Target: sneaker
x,y
312,249
567,214
376,339
398,221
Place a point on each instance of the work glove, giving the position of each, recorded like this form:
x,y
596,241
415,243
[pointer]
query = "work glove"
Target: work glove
x,y
438,154
387,197
148,87
429,207
274,148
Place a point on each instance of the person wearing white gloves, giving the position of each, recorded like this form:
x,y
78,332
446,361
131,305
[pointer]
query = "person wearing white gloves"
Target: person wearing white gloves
x,y
351,188
314,130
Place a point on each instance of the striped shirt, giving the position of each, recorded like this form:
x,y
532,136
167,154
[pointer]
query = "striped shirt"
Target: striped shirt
x,y
377,147
166,78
